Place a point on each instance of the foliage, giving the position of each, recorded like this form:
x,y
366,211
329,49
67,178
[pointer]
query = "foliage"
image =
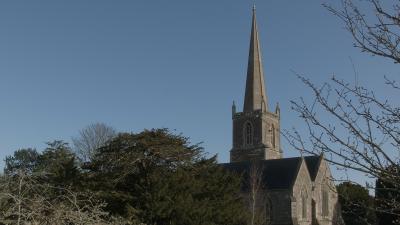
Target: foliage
x,y
24,200
161,178
356,203
387,197
23,159
155,177
56,164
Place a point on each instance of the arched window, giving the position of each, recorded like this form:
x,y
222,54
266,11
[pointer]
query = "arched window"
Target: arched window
x,y
273,136
325,202
248,134
304,205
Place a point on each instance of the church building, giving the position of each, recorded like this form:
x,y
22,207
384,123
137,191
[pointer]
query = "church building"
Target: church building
x,y
279,191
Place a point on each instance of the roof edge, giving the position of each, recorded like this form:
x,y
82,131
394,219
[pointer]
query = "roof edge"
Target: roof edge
x,y
302,161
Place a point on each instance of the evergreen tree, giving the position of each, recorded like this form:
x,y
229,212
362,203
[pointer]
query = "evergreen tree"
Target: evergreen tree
x,y
22,159
356,204
387,195
161,178
57,165
154,177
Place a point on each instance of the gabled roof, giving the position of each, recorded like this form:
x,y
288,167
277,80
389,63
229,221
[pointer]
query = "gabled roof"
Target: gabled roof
x,y
313,163
276,173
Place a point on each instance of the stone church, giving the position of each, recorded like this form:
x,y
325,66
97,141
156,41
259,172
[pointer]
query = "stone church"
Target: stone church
x,y
279,191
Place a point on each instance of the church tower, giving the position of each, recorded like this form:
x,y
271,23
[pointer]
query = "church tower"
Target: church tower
x,y
256,130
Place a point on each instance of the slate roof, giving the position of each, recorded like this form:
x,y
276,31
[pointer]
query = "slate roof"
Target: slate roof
x,y
276,173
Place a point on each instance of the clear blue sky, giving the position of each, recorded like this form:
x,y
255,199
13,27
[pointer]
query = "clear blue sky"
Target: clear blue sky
x,y
151,64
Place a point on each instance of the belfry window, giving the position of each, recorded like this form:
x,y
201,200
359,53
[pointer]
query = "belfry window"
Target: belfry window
x,y
248,133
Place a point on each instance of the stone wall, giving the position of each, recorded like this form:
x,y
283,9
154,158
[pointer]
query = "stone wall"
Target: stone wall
x,y
281,206
265,142
302,188
322,182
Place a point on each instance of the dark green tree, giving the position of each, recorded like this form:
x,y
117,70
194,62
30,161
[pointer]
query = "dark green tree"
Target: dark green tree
x,y
387,195
22,159
356,204
160,178
57,165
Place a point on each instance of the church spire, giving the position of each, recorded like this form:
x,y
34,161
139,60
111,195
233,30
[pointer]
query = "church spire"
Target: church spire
x,y
255,130
255,97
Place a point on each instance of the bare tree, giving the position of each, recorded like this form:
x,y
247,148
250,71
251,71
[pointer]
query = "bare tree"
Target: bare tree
x,y
356,130
24,200
91,138
257,197
375,31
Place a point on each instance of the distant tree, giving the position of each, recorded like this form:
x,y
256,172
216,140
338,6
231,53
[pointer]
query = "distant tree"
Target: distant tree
x,y
387,197
90,139
160,178
356,204
57,165
23,159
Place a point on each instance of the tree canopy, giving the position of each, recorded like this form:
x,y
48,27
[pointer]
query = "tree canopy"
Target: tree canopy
x,y
163,179
387,195
356,203
151,177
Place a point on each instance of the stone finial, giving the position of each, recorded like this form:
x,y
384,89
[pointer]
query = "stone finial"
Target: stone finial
x,y
277,109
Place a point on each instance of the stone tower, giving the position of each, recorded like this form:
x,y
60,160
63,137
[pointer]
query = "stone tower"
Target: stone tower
x,y
256,130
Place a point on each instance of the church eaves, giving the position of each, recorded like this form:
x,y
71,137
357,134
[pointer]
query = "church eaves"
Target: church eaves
x,y
255,97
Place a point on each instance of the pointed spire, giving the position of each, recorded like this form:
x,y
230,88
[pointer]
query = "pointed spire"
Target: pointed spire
x,y
255,97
